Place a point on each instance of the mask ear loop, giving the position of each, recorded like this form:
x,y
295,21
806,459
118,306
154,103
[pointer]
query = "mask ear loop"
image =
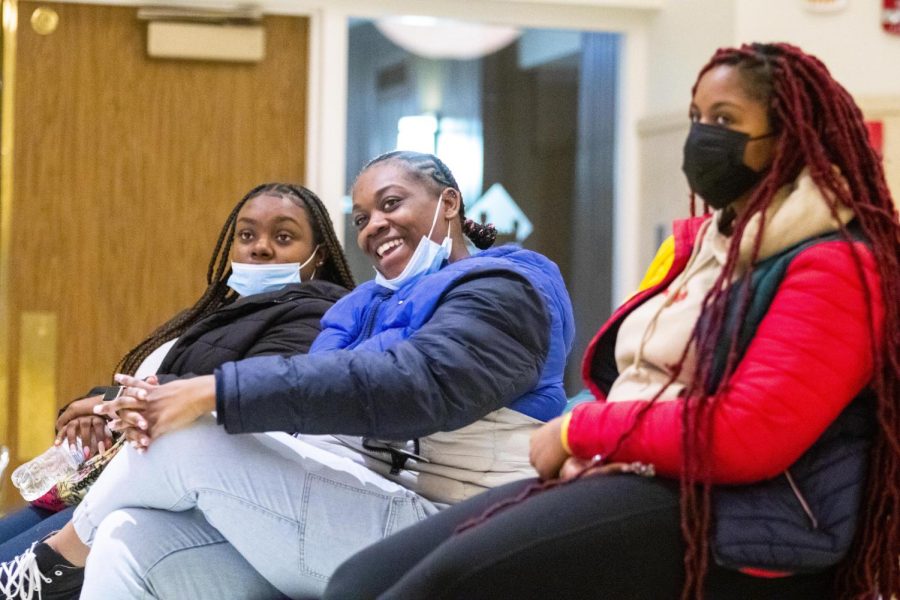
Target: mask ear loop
x,y
448,241
436,213
434,220
306,262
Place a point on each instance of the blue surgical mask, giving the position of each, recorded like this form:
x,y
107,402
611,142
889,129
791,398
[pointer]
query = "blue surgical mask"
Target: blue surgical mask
x,y
427,258
248,279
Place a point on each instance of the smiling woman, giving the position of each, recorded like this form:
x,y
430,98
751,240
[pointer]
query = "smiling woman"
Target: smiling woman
x,y
395,215
430,379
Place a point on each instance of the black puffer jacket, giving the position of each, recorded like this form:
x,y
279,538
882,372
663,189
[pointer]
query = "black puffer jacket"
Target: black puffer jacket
x,y
284,322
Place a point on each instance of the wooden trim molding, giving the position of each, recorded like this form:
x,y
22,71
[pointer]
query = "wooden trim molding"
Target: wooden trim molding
x,y
38,346
880,107
10,17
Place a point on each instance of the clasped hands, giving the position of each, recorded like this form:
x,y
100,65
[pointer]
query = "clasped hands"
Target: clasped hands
x,y
551,460
146,410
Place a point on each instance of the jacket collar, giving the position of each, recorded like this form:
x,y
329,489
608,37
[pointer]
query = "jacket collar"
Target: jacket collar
x,y
798,211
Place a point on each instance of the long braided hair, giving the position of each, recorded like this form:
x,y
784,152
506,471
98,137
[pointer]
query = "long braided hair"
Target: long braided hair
x,y
218,294
431,170
819,127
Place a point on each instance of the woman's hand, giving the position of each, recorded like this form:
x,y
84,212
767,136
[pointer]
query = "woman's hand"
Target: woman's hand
x,y
584,467
153,411
83,407
95,436
78,421
547,453
126,410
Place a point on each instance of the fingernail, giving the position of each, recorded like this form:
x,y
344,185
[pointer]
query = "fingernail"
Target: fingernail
x,y
101,448
141,450
145,441
118,377
142,394
135,446
87,452
57,442
98,409
142,424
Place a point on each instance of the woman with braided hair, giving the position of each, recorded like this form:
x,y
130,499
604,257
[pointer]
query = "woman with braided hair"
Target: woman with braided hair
x,y
276,268
422,390
755,375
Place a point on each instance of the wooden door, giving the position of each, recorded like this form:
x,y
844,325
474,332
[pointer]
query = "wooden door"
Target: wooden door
x,y
124,169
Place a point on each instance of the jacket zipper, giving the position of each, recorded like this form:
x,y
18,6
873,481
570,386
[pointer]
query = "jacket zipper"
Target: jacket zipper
x,y
370,321
803,503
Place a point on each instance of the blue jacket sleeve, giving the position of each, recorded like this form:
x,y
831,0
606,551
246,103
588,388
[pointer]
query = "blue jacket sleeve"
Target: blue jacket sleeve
x,y
483,347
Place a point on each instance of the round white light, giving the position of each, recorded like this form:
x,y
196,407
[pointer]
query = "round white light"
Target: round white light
x,y
432,37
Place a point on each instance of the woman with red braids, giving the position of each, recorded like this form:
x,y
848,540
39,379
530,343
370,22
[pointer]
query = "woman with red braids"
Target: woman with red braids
x,y
755,375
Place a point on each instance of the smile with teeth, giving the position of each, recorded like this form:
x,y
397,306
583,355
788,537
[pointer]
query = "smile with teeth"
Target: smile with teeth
x,y
387,246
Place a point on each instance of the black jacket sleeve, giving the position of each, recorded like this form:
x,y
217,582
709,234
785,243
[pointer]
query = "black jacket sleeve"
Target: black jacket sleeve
x,y
483,347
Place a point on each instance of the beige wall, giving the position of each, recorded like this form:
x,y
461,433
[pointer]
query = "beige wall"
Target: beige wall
x,y
680,38
852,44
683,34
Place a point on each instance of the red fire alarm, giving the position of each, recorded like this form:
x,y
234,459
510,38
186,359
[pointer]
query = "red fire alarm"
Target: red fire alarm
x,y
890,16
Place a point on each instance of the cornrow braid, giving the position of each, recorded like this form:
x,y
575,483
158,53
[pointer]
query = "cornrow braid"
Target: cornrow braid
x,y
335,269
819,128
431,169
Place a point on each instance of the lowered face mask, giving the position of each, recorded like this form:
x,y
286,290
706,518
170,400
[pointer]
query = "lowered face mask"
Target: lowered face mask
x,y
427,258
248,279
714,164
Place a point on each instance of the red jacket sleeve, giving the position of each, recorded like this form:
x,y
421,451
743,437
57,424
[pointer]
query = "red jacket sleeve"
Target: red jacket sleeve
x,y
812,354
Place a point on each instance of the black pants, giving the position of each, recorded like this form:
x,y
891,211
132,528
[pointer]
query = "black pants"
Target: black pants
x,y
612,537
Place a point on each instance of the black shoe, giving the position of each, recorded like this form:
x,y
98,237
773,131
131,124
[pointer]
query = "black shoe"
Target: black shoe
x,y
41,573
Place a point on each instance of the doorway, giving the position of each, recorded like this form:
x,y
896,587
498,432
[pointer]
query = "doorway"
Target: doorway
x,y
528,130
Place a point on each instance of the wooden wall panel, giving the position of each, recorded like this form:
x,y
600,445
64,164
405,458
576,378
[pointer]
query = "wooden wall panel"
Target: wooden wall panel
x,y
125,168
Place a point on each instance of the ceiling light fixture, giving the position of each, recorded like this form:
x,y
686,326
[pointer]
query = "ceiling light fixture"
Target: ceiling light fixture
x,y
437,38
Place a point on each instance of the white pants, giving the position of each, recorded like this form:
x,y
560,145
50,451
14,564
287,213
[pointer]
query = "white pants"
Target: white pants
x,y
205,514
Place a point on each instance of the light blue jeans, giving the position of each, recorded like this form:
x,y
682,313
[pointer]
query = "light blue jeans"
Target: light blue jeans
x,y
205,514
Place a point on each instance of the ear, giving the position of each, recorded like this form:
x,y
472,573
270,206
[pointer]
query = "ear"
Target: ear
x,y
452,201
322,256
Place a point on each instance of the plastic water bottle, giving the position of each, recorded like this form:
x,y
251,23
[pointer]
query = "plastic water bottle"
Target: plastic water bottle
x,y
37,476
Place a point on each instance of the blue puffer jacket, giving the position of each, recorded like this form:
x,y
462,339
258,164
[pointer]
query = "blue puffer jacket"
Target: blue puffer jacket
x,y
485,333
376,318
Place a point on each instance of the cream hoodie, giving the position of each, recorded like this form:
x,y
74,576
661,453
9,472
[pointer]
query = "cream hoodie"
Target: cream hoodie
x,y
653,337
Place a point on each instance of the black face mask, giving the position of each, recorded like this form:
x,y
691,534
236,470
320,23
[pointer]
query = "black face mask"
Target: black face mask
x,y
714,164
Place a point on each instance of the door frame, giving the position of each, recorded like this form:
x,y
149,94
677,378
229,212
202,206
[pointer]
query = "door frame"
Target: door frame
x,y
327,100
